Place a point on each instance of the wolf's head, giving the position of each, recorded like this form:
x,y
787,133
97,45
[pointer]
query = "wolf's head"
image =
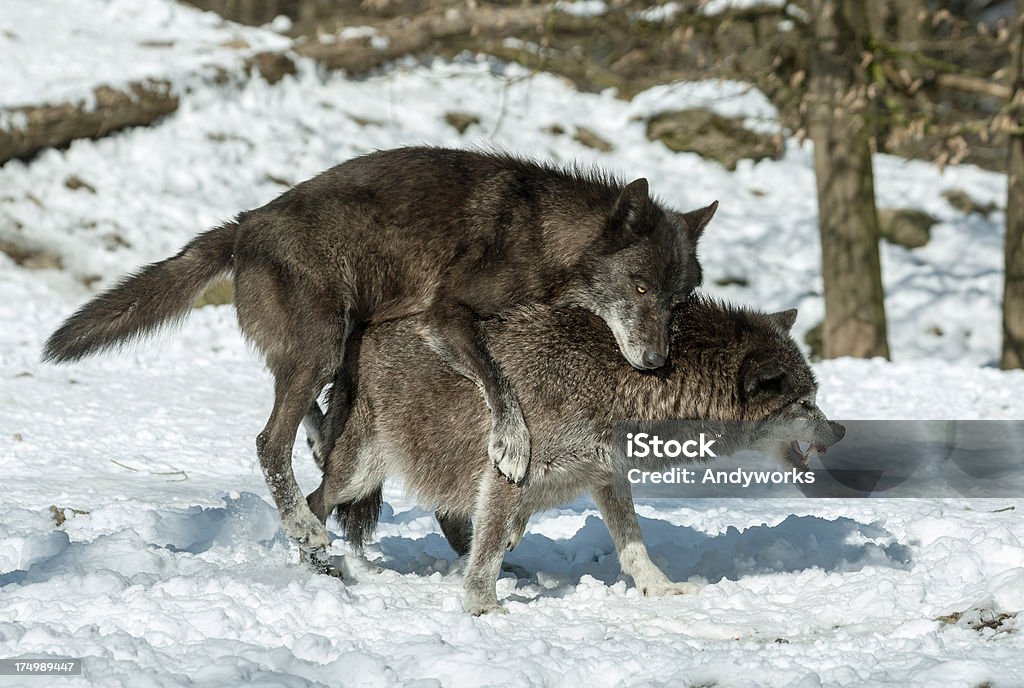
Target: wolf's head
x,y
760,375
650,267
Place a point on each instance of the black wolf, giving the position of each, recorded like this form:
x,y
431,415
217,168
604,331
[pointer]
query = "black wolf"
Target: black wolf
x,y
449,236
414,419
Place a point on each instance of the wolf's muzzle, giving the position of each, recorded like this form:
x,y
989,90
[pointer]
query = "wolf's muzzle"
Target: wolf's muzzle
x,y
653,359
838,431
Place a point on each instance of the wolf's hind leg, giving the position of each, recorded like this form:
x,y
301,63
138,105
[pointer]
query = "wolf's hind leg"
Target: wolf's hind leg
x,y
358,520
313,423
451,331
294,392
352,483
302,334
324,427
615,502
497,504
356,499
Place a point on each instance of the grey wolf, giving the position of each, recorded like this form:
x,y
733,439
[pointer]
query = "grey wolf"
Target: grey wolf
x,y
412,418
450,236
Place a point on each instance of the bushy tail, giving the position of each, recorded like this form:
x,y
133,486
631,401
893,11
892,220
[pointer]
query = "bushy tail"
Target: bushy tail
x,y
157,295
359,519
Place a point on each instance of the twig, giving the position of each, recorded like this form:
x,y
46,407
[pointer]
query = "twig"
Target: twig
x,y
118,463
970,84
175,472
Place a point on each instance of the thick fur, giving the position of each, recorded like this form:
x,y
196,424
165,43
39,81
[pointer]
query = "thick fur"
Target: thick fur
x,y
448,236
157,295
415,420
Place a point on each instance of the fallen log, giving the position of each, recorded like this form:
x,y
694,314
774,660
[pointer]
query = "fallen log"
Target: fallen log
x,y
26,130
409,36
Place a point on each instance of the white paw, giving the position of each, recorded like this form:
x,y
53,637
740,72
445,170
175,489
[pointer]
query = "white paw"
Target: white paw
x,y
303,528
666,588
477,607
509,449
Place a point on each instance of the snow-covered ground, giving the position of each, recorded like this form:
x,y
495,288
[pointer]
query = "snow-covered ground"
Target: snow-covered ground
x,y
178,574
53,51
224,151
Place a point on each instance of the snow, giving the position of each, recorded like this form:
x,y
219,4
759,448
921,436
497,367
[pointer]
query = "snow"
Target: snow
x,y
582,8
713,7
281,24
178,574
223,151
726,98
54,52
660,13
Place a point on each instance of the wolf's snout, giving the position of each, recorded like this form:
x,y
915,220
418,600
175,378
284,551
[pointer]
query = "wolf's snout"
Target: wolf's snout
x,y
653,359
838,430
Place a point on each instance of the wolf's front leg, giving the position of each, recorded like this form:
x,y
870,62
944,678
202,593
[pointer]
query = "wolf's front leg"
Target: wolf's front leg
x,y
616,504
451,331
496,507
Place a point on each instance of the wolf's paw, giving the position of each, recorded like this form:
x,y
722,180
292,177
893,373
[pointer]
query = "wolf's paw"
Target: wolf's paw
x,y
509,449
514,539
476,607
303,528
319,560
666,588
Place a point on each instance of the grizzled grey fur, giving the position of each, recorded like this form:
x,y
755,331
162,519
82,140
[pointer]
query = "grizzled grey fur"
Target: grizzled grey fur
x,y
414,419
448,236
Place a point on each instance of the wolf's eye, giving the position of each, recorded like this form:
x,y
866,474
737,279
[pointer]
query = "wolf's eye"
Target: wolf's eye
x,y
640,289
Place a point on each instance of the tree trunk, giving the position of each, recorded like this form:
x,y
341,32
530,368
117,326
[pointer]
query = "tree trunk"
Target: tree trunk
x,y
854,306
878,16
910,31
910,26
1013,290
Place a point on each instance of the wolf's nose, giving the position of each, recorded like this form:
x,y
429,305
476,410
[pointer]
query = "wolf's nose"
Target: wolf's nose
x,y
654,359
838,430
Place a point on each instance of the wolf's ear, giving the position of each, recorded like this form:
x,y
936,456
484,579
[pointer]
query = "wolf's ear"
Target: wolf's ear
x,y
768,377
784,319
631,210
695,221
